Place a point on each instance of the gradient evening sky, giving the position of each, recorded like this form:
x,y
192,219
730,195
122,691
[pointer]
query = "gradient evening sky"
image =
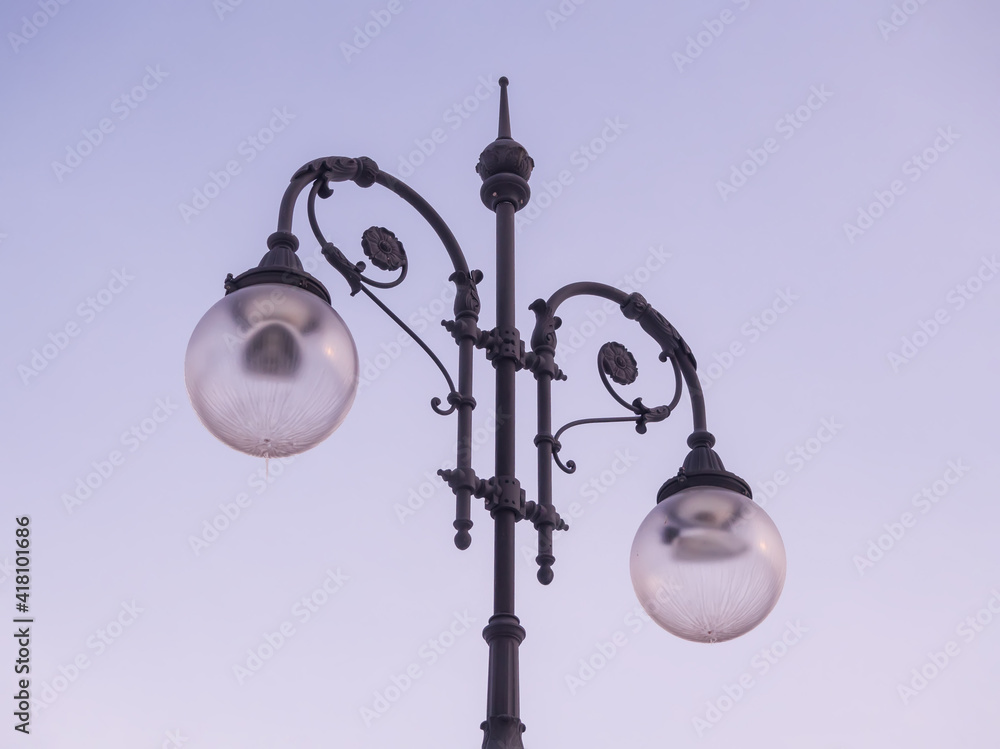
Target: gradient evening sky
x,y
881,368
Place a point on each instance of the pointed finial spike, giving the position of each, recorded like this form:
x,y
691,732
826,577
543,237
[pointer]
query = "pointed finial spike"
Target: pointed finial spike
x,y
504,165
504,129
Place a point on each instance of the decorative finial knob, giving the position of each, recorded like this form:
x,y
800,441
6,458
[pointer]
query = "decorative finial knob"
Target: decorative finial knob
x,y
505,163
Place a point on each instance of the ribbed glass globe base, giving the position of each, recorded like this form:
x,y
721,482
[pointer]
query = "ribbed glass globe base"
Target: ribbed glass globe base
x,y
708,564
271,370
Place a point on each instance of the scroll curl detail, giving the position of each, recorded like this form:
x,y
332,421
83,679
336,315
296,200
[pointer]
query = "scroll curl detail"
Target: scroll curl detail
x,y
379,244
361,170
386,252
617,363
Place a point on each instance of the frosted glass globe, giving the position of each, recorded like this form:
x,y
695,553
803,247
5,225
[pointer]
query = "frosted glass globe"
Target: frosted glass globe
x,y
708,564
271,370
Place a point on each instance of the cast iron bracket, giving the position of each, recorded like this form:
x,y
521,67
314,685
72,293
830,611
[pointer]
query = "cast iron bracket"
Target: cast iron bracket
x,y
503,343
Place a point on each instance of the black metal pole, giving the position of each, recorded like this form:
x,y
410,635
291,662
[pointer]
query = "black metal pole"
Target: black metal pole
x,y
504,166
503,598
504,633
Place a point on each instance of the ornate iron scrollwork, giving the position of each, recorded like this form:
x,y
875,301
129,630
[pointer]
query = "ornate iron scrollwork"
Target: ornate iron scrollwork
x,y
616,362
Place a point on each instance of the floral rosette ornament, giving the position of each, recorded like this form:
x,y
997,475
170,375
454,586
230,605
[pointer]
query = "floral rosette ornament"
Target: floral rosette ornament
x,y
383,249
618,363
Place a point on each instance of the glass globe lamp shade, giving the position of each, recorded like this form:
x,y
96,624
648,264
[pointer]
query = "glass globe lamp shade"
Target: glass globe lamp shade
x,y
707,564
271,370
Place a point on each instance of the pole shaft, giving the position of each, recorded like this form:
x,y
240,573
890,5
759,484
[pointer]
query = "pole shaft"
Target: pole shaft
x,y
504,632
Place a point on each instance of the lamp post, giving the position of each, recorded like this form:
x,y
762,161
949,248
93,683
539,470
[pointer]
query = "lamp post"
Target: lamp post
x,y
272,370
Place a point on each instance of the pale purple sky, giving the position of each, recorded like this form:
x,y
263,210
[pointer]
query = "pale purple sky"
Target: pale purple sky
x,y
808,191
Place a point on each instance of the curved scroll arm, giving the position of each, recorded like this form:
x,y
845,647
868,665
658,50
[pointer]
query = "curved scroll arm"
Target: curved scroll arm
x,y
435,402
379,243
570,465
615,360
643,414
541,361
386,252
365,173
635,307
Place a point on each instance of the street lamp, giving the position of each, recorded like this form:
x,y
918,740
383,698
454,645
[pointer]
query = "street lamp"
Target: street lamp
x,y
272,370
